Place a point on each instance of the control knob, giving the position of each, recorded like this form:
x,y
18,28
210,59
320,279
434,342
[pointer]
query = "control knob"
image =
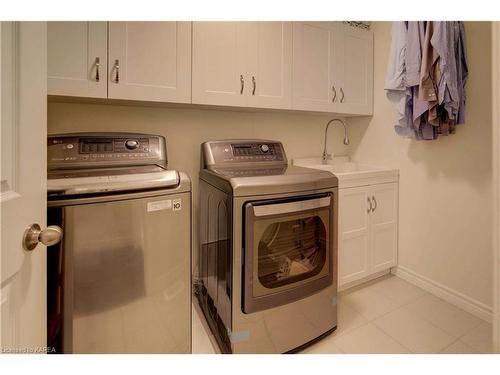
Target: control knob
x,y
264,148
131,144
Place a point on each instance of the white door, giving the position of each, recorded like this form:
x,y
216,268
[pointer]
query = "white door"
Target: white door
x,y
384,226
354,234
354,70
150,61
23,76
77,58
219,67
313,65
270,65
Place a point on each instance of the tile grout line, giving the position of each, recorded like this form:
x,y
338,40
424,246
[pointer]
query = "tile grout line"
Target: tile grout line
x,y
424,295
403,305
446,347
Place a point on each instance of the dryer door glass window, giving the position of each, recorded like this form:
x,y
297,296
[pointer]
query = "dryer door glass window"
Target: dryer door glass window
x,y
290,251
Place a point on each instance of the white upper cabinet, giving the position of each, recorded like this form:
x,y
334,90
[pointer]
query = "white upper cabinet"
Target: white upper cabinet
x,y
246,64
313,57
354,70
219,75
77,58
150,61
310,66
332,68
269,65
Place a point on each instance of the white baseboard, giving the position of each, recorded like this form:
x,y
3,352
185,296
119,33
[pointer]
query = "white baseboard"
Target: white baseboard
x,y
458,299
352,284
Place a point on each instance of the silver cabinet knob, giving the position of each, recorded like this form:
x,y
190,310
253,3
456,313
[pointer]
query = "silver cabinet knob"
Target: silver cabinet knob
x,y
342,92
242,84
34,234
334,94
254,82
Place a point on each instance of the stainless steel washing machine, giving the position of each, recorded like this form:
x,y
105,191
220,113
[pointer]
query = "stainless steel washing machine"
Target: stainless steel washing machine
x,y
119,282
267,264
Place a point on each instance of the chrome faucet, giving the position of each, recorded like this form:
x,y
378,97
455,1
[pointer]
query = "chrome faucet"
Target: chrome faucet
x,y
326,156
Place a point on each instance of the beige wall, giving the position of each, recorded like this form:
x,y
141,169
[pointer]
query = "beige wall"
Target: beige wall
x,y
186,129
445,185
445,231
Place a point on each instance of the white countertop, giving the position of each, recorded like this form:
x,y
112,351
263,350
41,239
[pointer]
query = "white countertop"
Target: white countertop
x,y
349,173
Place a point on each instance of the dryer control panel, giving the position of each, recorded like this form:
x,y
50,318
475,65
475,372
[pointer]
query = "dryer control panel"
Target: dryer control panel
x,y
243,153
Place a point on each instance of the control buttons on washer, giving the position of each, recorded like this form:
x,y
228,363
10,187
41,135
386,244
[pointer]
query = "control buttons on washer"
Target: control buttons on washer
x,y
131,144
264,148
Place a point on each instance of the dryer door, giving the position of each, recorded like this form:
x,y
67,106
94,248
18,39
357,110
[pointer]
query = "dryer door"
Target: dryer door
x,y
288,250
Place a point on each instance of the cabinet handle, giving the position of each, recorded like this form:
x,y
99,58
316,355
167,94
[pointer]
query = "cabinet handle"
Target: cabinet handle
x,y
370,202
334,94
117,69
374,203
342,92
242,83
97,64
254,82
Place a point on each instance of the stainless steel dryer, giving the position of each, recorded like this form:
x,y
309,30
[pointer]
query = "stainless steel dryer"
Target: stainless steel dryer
x,y
267,264
119,282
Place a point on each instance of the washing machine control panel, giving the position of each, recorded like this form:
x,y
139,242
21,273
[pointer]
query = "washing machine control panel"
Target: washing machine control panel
x,y
243,152
85,150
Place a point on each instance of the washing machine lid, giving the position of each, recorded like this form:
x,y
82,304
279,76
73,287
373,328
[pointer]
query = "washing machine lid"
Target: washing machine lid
x,y
265,181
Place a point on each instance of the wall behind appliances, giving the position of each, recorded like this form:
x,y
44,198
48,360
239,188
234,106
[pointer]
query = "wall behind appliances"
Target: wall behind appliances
x,y
185,129
445,232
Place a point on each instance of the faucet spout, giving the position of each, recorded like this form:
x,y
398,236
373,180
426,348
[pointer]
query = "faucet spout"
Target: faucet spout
x,y
346,137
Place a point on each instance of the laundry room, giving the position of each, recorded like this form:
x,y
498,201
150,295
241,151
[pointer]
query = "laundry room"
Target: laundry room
x,y
246,186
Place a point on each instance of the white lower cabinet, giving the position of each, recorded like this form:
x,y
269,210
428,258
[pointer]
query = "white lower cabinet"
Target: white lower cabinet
x,y
368,224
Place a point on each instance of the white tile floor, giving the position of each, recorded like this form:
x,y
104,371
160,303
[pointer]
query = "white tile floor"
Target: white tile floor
x,y
388,315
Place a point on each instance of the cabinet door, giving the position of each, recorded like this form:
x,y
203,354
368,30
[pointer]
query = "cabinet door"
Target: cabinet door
x,y
270,65
353,254
77,59
313,64
354,70
219,71
150,61
384,222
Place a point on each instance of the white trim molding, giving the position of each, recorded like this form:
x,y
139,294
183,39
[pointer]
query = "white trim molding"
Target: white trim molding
x,y
458,299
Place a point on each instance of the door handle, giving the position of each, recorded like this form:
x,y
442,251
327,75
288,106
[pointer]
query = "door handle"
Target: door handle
x,y
334,94
242,84
371,207
342,92
50,236
117,69
97,64
374,203
289,207
254,82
